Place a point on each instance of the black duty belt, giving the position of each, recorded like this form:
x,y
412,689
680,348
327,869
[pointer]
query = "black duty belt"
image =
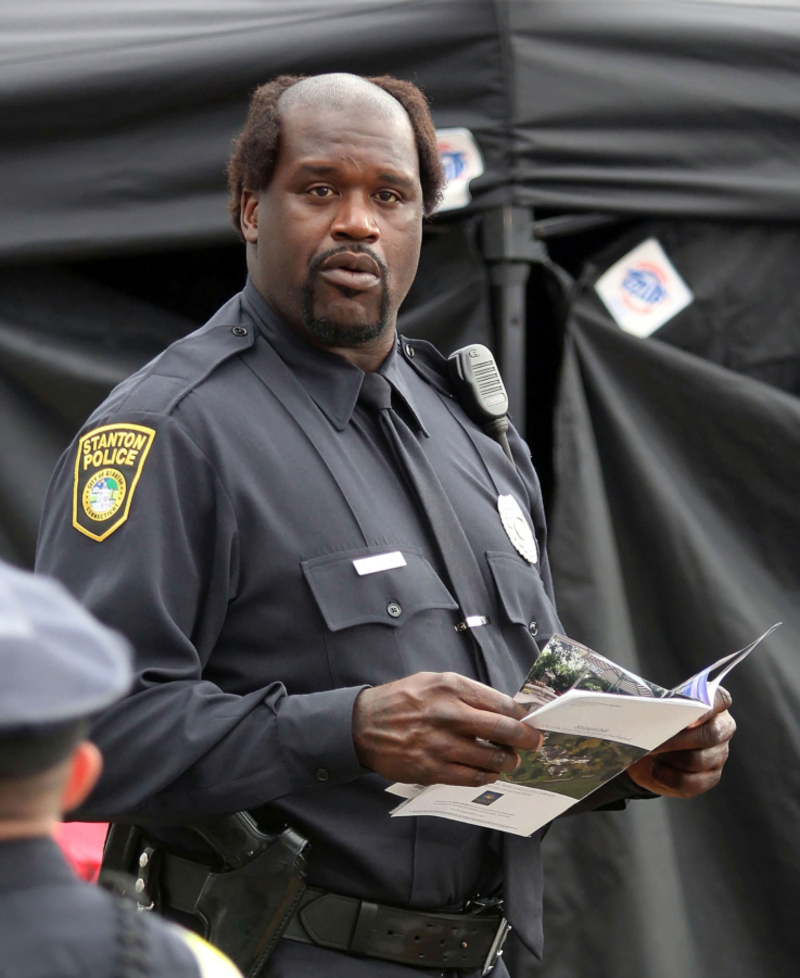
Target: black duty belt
x,y
468,941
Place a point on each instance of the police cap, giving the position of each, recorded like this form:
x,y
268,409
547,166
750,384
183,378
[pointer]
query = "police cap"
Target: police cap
x,y
58,665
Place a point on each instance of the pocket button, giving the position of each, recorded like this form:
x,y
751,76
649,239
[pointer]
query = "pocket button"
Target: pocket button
x,y
394,609
533,628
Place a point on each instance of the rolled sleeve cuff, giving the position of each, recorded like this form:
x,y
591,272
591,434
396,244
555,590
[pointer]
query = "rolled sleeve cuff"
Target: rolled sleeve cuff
x,y
316,737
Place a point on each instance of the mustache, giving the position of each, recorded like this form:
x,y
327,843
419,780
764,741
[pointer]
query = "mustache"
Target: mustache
x,y
318,261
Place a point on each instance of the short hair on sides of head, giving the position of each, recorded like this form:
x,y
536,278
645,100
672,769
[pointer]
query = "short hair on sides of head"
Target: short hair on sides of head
x,y
33,767
255,149
30,752
26,797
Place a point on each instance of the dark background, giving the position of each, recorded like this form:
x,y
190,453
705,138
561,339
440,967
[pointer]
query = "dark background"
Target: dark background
x,y
670,465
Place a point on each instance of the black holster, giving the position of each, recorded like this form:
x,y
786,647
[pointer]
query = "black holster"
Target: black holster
x,y
244,908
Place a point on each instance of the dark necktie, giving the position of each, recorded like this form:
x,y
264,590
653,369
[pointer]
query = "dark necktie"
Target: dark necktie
x,y
466,581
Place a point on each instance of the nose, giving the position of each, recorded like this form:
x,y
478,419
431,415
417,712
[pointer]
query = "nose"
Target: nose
x,y
354,219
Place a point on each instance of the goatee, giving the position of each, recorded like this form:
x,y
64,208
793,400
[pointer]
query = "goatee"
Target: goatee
x,y
328,331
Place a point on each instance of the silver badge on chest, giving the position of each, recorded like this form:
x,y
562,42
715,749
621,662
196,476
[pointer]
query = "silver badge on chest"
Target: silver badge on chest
x,y
517,527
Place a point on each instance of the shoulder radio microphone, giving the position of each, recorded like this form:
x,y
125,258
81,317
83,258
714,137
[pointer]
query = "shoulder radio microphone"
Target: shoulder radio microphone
x,y
481,391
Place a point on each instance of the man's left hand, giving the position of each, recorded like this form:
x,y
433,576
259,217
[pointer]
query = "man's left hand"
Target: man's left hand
x,y
691,762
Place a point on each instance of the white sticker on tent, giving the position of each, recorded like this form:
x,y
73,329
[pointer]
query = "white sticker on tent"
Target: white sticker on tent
x,y
462,162
643,290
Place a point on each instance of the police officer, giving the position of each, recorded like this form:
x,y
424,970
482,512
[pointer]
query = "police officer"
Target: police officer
x,y
58,666
298,526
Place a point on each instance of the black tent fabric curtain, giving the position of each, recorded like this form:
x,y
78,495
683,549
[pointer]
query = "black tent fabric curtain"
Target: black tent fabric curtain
x,y
679,107
674,540
118,118
64,343
743,276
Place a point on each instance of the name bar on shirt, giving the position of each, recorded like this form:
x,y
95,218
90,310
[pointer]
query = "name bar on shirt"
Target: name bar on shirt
x,y
380,562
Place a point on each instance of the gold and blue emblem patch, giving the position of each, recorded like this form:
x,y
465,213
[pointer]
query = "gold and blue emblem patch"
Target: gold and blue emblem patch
x,y
108,464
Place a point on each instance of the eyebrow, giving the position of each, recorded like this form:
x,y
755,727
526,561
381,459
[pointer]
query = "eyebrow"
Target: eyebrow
x,y
392,177
326,169
318,169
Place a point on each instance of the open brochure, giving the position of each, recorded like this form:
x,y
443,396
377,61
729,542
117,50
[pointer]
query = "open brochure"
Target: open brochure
x,y
596,719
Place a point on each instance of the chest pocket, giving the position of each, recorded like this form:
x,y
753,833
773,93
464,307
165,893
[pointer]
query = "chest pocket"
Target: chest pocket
x,y
522,596
383,625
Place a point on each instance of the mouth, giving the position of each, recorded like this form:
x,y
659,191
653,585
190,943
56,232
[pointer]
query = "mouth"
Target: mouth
x,y
355,272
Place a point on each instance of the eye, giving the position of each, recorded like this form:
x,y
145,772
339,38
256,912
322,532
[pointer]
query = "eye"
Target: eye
x,y
388,197
322,192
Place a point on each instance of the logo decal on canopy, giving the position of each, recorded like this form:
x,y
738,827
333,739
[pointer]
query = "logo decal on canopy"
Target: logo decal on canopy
x,y
462,162
643,290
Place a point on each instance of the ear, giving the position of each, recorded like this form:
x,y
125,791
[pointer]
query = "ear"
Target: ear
x,y
248,216
85,766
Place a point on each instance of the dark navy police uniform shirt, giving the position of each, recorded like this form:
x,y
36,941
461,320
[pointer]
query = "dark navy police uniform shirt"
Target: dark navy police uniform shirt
x,y
257,481
52,925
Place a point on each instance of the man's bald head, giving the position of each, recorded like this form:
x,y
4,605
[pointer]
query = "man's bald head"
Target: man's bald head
x,y
256,149
339,90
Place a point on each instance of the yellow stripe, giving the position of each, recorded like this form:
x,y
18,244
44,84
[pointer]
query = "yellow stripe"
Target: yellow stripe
x,y
212,962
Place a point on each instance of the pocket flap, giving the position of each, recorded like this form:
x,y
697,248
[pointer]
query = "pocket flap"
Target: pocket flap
x,y
388,597
516,584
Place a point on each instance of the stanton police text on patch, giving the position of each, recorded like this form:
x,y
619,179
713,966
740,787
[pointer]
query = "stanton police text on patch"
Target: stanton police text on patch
x,y
108,465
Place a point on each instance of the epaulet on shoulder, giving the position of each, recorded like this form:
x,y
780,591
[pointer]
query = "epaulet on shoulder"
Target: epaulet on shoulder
x,y
426,350
161,384
428,362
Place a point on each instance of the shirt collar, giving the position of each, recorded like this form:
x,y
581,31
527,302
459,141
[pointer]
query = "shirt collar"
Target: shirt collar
x,y
33,862
332,382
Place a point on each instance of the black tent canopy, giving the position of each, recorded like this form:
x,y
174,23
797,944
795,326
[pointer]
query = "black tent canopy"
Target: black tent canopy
x,y
674,524
119,120
118,117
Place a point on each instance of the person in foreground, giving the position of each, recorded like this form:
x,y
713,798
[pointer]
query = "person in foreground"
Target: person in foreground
x,y
58,666
295,522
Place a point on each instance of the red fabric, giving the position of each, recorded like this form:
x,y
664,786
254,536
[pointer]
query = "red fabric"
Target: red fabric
x,y
82,844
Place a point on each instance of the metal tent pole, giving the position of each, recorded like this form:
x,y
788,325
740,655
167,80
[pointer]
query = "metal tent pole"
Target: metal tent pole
x,y
510,249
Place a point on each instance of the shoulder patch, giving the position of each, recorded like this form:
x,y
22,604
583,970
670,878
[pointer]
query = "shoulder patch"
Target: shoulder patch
x,y
108,464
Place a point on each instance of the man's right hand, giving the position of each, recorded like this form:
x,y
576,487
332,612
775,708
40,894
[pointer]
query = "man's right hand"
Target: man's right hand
x,y
440,728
